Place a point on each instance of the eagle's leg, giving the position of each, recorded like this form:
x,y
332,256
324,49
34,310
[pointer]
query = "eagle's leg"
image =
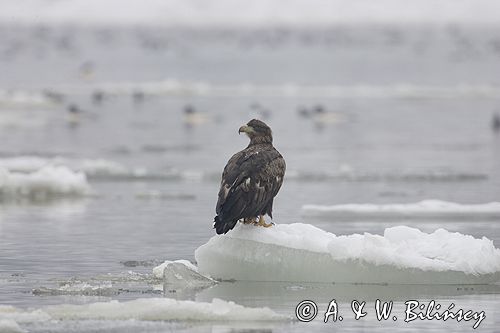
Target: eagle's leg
x,y
263,223
248,220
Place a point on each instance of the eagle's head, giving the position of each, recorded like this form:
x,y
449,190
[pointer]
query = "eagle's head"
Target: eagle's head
x,y
257,131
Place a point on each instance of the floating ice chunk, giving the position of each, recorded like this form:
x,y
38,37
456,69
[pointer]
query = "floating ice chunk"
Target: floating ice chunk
x,y
47,182
177,276
23,163
93,168
303,253
158,270
422,209
10,326
163,309
100,167
79,288
181,275
148,309
23,99
10,313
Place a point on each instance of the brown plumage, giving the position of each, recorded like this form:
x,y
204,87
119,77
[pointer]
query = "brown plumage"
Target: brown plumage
x,y
250,180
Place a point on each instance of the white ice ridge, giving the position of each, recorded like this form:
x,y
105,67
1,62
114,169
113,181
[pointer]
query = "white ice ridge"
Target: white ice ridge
x,y
44,183
425,208
303,253
148,309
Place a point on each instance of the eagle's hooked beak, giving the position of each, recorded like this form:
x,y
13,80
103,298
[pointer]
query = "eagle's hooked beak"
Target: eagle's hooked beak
x,y
246,129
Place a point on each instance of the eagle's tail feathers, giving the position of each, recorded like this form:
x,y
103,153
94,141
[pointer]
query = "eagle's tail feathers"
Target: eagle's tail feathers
x,y
223,226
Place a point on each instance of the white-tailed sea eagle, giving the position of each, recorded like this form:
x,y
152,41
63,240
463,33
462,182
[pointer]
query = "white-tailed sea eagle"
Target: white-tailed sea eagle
x,y
250,180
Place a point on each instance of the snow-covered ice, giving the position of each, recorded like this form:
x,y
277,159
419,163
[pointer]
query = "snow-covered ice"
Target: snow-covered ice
x,y
422,209
147,309
47,182
303,253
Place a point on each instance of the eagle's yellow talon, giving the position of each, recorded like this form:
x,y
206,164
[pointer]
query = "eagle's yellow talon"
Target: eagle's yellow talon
x,y
263,223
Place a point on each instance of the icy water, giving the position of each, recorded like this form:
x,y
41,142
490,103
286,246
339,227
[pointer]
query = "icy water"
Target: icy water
x,y
407,117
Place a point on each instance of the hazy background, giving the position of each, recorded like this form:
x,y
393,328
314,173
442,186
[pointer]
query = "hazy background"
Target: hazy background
x,y
260,12
117,118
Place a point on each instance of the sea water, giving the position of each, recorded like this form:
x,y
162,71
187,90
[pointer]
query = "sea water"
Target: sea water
x,y
132,180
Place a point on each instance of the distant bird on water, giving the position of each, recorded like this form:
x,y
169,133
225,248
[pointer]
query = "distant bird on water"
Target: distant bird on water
x,y
138,96
319,115
193,117
97,96
87,69
250,180
74,113
495,123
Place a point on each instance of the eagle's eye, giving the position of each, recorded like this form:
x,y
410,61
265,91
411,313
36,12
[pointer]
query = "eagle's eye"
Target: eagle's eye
x,y
257,129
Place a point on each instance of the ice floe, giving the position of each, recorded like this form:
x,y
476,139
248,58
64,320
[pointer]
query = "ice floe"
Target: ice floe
x,y
45,183
93,168
10,326
11,313
422,209
158,271
163,309
147,309
78,288
103,285
181,275
21,98
303,253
